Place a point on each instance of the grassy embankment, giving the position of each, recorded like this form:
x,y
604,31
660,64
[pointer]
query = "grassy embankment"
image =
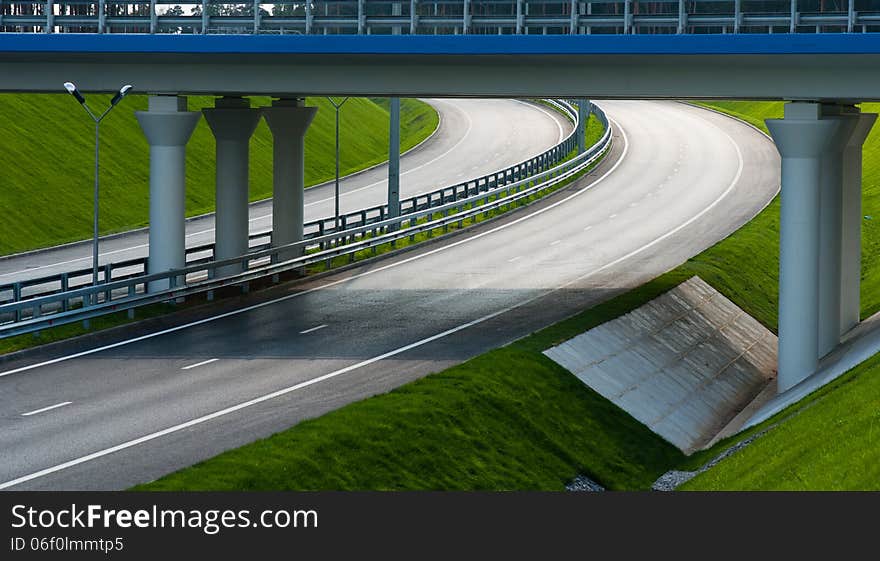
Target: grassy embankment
x,y
512,419
46,158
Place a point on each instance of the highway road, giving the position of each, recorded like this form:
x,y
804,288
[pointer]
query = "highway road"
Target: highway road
x,y
475,137
86,416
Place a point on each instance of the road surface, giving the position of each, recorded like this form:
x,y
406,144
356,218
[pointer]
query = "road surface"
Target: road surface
x,y
678,179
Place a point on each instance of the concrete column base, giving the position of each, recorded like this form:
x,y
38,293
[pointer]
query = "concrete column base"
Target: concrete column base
x,y
801,138
233,123
168,127
851,238
288,119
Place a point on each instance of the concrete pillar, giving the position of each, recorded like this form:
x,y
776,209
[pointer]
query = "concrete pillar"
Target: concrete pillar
x,y
394,160
288,119
801,138
851,236
830,227
168,126
233,122
583,118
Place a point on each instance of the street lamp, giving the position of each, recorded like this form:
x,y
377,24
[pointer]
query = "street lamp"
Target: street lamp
x,y
72,90
337,106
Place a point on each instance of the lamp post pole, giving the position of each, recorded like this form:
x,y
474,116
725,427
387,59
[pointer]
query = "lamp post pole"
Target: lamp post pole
x,y
72,90
337,106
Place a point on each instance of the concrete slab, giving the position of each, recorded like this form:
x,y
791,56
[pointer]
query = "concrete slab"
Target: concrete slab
x,y
689,364
858,345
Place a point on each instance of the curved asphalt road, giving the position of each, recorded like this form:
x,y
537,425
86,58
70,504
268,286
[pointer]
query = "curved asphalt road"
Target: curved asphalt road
x,y
475,137
679,179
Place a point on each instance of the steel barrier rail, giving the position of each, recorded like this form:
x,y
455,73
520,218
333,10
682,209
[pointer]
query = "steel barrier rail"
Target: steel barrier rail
x,y
423,17
50,284
92,301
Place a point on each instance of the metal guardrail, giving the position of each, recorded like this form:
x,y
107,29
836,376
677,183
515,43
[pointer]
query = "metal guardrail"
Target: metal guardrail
x,y
362,17
452,204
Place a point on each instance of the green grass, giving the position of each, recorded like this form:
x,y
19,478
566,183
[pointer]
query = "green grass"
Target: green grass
x,y
47,151
829,441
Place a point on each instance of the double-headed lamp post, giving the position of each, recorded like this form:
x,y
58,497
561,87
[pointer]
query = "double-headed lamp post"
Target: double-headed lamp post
x,y
123,91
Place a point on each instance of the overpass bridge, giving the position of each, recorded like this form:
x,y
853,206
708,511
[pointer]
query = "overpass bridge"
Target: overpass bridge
x,y
442,17
823,75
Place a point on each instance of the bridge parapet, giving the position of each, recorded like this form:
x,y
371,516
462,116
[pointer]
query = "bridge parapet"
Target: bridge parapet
x,y
442,17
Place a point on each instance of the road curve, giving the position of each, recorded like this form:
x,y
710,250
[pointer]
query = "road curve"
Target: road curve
x,y
679,179
475,137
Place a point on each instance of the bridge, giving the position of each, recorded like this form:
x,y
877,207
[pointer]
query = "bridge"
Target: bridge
x,y
442,17
583,51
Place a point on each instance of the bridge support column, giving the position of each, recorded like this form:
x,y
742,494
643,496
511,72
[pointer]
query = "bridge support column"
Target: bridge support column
x,y
851,242
233,122
583,117
168,126
288,119
831,226
801,138
394,161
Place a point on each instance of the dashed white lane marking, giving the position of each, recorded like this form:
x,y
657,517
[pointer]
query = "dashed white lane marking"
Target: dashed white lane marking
x,y
513,259
587,228
204,362
555,242
44,409
312,330
612,217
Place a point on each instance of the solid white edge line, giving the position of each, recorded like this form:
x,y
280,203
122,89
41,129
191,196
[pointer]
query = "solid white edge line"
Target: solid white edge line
x,y
403,349
312,330
44,409
549,114
204,362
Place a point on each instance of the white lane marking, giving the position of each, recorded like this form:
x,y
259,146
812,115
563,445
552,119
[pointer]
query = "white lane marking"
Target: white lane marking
x,y
550,115
633,204
514,259
204,362
587,228
612,217
312,330
555,242
44,409
338,282
403,349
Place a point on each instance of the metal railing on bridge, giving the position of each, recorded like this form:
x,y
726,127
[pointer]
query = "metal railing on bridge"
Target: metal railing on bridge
x,y
34,304
377,17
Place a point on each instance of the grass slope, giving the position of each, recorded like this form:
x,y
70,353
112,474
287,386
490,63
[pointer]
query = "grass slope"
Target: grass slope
x,y
47,151
828,441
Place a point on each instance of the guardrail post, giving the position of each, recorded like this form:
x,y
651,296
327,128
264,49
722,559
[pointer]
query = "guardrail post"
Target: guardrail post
x,y
65,286
108,272
16,297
